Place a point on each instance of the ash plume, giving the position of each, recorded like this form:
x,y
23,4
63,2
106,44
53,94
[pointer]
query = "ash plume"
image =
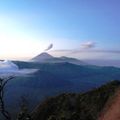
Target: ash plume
x,y
49,47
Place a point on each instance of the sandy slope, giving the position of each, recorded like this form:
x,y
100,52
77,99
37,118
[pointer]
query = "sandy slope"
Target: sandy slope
x,y
112,109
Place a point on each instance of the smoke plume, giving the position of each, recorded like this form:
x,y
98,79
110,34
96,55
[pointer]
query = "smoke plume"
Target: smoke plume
x,y
49,47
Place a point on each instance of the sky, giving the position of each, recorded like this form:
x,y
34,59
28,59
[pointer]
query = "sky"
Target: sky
x,y
85,29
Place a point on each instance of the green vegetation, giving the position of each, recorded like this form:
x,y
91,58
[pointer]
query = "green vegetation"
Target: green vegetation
x,y
70,106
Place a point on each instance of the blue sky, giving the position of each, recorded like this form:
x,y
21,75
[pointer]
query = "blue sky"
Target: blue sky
x,y
27,27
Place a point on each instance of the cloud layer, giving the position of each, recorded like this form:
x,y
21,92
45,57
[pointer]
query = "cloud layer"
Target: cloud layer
x,y
88,51
8,68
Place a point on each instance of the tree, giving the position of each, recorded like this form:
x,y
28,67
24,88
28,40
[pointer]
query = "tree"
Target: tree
x,y
9,70
52,117
24,110
4,112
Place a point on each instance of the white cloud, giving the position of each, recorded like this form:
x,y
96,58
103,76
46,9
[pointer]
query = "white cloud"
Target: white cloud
x,y
88,45
8,68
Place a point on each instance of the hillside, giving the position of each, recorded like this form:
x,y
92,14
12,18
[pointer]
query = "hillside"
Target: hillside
x,y
86,106
56,78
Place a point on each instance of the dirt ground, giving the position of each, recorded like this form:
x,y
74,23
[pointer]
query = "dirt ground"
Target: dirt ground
x,y
112,109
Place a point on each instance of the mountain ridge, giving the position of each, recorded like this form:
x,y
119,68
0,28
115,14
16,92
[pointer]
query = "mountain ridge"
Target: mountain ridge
x,y
47,58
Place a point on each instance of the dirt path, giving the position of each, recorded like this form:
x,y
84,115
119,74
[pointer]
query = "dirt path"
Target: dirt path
x,y
112,109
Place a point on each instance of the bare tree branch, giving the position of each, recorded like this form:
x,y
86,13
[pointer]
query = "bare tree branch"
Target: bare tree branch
x,y
3,83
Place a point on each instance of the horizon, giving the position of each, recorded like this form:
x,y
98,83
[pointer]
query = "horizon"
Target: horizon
x,y
80,29
98,62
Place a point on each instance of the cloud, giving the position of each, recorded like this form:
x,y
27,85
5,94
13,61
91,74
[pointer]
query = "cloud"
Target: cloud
x,y
88,45
49,47
88,50
74,51
8,68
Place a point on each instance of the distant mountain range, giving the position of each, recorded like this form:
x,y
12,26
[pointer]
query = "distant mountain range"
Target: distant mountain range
x,y
47,58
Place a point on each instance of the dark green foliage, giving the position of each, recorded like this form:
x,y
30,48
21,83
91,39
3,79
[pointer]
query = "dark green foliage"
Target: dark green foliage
x,y
86,106
24,112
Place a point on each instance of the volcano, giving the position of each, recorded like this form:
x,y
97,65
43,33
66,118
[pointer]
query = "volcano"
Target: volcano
x,y
42,57
47,58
